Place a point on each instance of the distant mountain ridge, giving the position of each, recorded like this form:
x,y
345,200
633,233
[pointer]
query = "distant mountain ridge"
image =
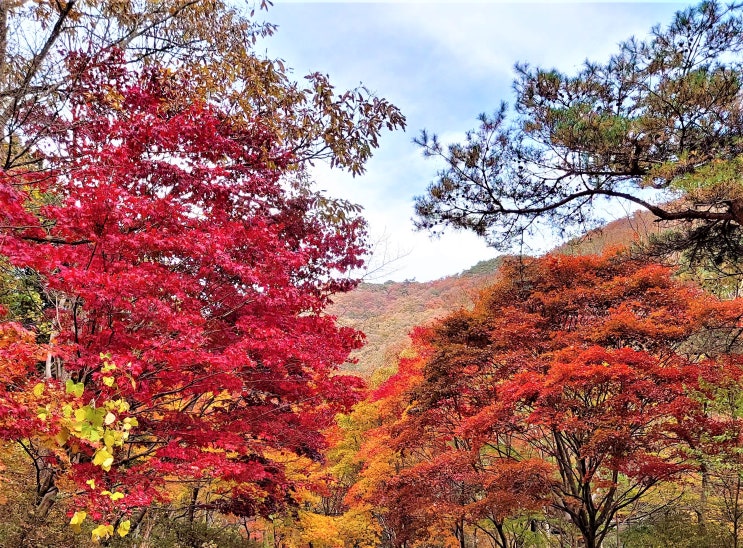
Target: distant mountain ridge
x,y
386,312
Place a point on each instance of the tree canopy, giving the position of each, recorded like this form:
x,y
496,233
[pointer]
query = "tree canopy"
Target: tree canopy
x,y
659,124
211,39
167,354
165,260
183,282
575,386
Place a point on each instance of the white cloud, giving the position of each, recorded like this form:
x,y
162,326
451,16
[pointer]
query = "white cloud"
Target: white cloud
x,y
442,64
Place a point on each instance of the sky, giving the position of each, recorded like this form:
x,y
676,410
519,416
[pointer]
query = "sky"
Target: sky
x,y
442,64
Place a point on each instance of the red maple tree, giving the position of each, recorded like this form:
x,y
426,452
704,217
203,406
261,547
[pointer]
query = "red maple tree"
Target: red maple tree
x,y
185,275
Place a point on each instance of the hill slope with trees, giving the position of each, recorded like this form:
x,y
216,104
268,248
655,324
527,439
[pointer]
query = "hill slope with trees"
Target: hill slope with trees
x,y
387,312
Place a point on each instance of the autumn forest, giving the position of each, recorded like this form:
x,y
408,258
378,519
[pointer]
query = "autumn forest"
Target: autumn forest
x,y
190,355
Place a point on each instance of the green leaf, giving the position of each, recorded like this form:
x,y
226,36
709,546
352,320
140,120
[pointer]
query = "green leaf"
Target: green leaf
x,y
76,389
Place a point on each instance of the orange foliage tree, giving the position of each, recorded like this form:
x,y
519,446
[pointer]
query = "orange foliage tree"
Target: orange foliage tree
x,y
576,384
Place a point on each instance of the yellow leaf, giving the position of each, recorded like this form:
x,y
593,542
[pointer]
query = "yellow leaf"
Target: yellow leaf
x,y
116,496
76,389
39,390
104,459
91,483
102,532
109,440
123,528
117,405
63,436
108,381
77,520
110,418
80,414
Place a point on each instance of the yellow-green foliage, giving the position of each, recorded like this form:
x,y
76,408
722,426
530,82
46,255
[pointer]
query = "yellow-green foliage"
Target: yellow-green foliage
x,y
720,178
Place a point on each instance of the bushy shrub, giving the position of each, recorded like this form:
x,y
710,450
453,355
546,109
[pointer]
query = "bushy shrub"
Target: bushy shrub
x,y
675,530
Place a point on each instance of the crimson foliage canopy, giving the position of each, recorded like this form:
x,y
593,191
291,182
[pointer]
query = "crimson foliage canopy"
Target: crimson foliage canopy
x,y
167,238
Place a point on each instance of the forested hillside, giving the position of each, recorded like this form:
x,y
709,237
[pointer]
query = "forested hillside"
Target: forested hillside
x,y
387,312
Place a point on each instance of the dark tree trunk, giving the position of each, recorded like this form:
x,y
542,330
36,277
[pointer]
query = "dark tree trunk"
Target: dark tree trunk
x,y
192,506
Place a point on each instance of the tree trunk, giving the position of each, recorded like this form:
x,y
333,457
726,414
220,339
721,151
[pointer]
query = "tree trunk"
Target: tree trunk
x,y
192,506
136,518
459,532
736,208
501,534
702,510
736,514
146,532
46,502
46,490
589,539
